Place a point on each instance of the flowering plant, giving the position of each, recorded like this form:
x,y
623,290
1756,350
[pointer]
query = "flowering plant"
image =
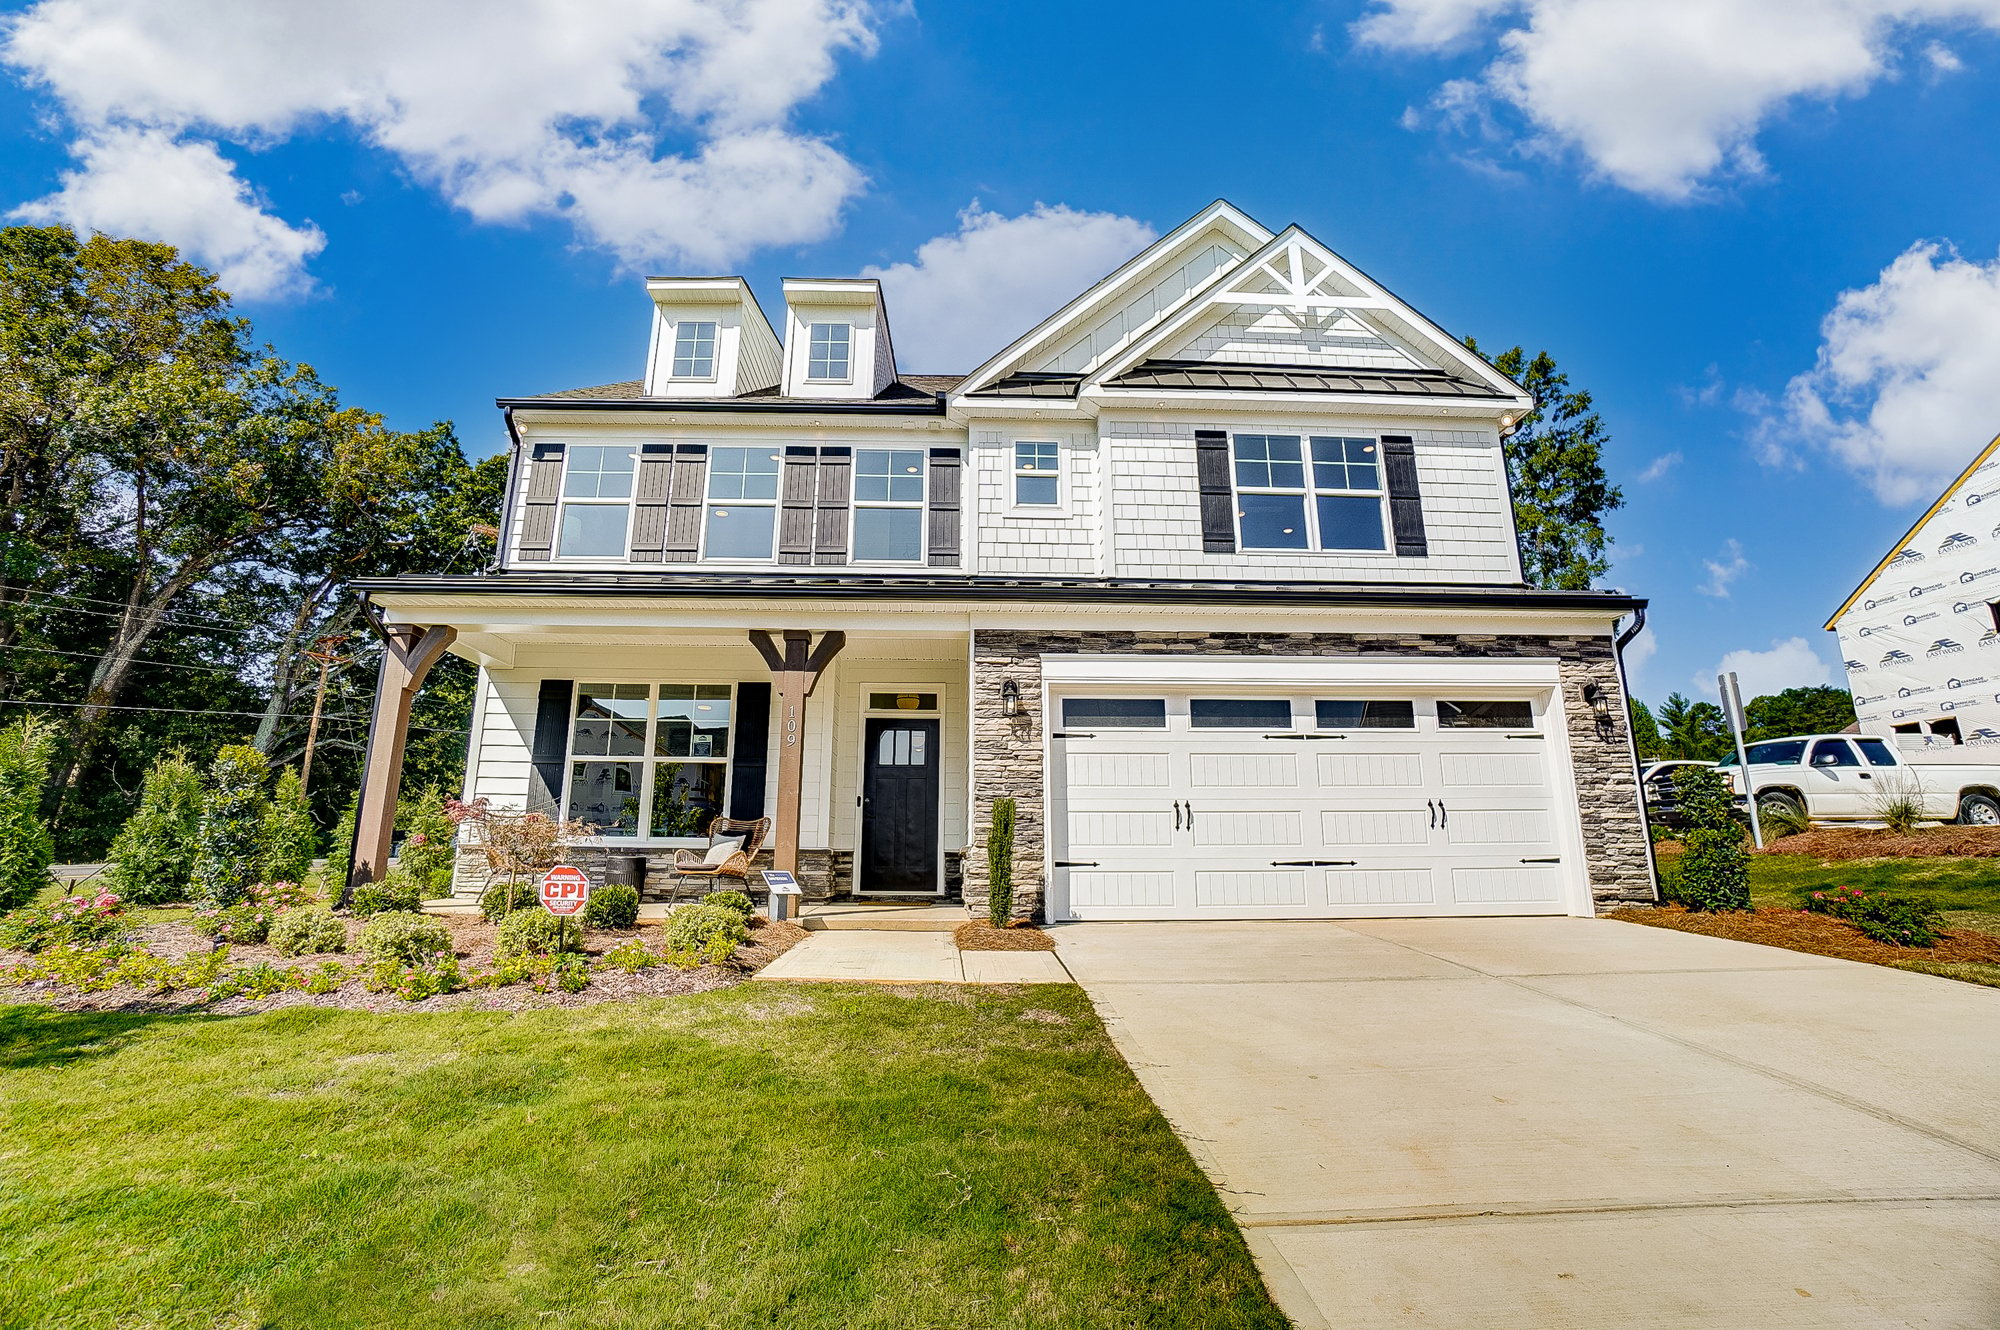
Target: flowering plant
x,y
72,921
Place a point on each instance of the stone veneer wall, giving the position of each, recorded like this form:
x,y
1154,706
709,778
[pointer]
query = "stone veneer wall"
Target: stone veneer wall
x,y
823,874
1007,751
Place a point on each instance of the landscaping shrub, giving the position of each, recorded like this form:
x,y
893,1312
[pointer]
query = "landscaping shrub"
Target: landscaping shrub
x,y
416,980
1000,864
340,853
395,892
503,898
631,956
712,930
232,813
430,841
308,932
407,939
245,921
1777,821
75,921
731,900
615,906
532,932
27,748
287,840
1714,868
1883,916
1898,803
152,857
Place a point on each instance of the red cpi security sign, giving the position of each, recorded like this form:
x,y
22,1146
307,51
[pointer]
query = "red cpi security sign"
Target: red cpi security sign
x,y
564,889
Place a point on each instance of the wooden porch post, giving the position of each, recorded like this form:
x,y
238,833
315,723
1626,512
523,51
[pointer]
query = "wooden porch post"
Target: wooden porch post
x,y
795,673
408,653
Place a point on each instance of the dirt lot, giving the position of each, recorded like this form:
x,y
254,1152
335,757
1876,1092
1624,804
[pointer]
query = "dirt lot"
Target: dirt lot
x,y
1800,930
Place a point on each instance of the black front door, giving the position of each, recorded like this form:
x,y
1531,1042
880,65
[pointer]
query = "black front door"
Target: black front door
x,y
899,807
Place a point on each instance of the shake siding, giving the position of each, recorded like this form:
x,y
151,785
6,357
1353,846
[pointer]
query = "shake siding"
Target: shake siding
x,y
1274,337
1117,327
1156,513
944,675
1064,544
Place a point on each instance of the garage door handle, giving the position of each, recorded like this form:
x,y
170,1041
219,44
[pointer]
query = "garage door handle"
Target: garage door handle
x,y
1432,805
1076,863
1553,859
1190,813
1444,814
1177,815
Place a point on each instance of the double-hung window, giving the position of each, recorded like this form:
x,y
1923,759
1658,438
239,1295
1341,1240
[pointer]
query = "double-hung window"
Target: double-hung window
x,y
694,349
649,760
888,505
1037,475
1318,493
742,503
596,501
829,352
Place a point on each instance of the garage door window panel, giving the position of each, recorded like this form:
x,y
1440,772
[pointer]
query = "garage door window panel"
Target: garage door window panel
x,y
1115,713
1239,713
1365,715
1486,715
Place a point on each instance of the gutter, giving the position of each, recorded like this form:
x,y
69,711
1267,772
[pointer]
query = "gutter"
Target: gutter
x,y
506,521
933,405
1624,639
1638,626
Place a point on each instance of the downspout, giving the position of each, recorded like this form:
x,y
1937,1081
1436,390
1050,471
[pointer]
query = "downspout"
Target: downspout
x,y
507,492
1624,639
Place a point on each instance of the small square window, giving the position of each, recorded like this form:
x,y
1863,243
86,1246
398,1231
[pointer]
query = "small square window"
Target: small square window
x,y
1037,482
694,350
829,348
597,472
889,477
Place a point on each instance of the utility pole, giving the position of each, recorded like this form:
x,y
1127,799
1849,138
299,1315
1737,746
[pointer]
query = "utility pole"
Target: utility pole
x,y
326,651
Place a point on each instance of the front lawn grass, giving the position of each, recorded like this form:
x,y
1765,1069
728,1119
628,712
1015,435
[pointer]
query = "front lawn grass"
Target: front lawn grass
x,y
765,1155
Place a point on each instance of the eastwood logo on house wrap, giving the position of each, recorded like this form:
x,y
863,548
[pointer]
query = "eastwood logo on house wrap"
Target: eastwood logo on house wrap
x,y
1855,667
1916,591
1957,540
1982,735
1944,646
1989,638
1896,658
1912,620
1906,557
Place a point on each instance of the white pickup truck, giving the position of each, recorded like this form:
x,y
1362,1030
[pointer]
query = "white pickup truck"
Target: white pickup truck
x,y
1847,778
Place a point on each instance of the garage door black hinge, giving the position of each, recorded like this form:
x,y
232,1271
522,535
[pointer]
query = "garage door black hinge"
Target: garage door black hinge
x,y
1524,736
1312,863
1070,734
1076,863
1553,859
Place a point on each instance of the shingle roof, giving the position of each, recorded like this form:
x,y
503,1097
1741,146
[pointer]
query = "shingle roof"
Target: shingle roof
x,y
1348,381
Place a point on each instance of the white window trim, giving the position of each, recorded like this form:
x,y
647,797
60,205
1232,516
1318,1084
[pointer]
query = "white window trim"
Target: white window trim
x,y
921,507
1309,493
708,478
1016,509
649,761
714,354
564,501
808,375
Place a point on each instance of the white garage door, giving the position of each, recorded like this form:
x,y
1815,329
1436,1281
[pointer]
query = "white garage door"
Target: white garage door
x,y
1220,805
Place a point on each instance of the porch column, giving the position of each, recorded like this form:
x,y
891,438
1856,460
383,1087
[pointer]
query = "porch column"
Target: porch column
x,y
409,651
795,672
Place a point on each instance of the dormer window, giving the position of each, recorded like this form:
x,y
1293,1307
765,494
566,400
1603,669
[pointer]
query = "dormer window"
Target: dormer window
x,y
694,350
829,352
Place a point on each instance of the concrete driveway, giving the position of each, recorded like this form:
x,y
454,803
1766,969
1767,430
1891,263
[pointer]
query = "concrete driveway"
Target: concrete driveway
x,y
1546,1123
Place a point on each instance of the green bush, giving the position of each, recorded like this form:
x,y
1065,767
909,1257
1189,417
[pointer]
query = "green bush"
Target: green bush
x,y
393,893
535,932
503,898
731,900
712,928
1777,822
631,956
77,921
430,841
287,840
1714,868
226,855
1884,916
340,853
152,857
1000,865
245,921
612,906
27,750
406,939
308,932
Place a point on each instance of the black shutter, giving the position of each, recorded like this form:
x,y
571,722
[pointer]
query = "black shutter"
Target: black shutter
x,y
797,482
538,502
682,542
750,756
551,748
1218,498
649,502
836,483
1406,503
944,507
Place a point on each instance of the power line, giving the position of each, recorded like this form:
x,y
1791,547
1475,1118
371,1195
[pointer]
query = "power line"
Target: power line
x,y
205,711
98,655
99,600
165,619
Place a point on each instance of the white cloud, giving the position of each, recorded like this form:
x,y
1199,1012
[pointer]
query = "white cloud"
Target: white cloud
x,y
1791,663
1728,565
1660,98
660,129
1660,465
1016,271
1906,389
141,182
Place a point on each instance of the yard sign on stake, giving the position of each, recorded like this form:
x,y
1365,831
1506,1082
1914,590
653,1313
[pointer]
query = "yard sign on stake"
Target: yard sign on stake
x,y
564,890
1732,706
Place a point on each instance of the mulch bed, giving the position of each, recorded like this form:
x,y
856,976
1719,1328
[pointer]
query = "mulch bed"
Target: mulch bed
x,y
472,940
982,936
1801,930
1877,843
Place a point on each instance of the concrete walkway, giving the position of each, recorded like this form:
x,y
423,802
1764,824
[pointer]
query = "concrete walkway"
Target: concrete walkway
x,y
901,957
1544,1123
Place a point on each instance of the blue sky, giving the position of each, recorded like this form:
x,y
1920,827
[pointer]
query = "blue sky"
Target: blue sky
x,y
1762,232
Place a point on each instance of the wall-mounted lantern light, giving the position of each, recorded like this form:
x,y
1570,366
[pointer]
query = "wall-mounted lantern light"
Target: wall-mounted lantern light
x,y
1598,699
1010,698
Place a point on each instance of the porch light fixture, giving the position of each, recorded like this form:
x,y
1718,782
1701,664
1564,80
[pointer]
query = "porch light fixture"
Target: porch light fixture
x,y
1010,698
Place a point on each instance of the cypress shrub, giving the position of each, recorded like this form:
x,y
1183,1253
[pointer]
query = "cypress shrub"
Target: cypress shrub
x,y
27,750
430,841
340,852
152,858
612,906
226,858
1715,869
287,840
1000,864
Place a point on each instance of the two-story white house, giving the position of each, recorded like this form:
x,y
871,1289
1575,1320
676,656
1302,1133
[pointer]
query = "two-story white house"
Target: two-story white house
x,y
1213,572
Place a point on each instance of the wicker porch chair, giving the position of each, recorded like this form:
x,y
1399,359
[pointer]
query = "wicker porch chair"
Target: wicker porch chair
x,y
736,866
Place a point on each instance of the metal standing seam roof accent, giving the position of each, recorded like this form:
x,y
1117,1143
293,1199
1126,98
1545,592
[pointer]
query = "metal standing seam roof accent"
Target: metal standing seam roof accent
x,y
1347,380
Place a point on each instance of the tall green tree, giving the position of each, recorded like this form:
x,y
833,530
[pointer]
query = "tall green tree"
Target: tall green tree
x,y
1555,469
1820,709
1645,732
1693,730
